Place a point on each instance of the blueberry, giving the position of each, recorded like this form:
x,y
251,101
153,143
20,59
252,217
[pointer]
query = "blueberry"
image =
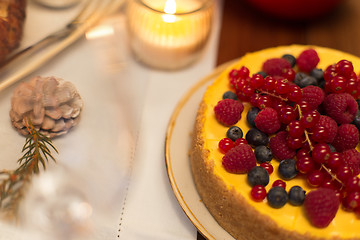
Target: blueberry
x,y
356,120
230,95
303,80
287,169
317,73
296,195
263,154
258,176
290,58
234,133
251,115
256,138
277,197
262,73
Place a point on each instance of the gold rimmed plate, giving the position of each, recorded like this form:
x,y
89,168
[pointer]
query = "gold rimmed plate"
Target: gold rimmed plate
x,y
177,147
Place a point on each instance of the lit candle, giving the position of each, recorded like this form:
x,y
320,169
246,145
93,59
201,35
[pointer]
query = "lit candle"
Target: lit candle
x,y
169,34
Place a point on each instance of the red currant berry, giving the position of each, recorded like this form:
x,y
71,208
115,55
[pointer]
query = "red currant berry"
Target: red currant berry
x,y
309,119
352,201
351,86
279,183
264,101
329,72
304,106
295,93
282,86
254,99
295,143
244,72
269,84
334,161
268,167
344,68
248,91
225,145
321,153
343,173
295,129
257,81
353,184
305,165
319,134
338,84
315,178
240,141
302,153
277,103
289,74
287,114
258,193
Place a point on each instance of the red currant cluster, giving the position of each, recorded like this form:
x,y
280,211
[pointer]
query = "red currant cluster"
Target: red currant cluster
x,y
340,78
308,134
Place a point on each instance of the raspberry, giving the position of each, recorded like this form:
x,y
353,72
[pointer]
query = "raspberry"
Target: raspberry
x,y
279,147
347,137
321,206
239,159
330,126
313,95
267,121
228,111
307,60
351,159
276,66
342,107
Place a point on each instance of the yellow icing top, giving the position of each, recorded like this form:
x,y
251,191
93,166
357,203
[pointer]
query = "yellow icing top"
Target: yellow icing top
x,y
345,224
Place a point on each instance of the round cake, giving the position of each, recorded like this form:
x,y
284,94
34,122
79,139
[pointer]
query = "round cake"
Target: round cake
x,y
234,192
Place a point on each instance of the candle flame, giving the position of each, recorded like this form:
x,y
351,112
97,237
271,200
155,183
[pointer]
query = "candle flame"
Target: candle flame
x,y
169,9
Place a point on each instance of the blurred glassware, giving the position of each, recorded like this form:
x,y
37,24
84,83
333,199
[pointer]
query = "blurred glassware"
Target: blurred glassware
x,y
169,35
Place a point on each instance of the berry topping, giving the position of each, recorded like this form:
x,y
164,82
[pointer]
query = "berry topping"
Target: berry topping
x,y
239,159
234,133
251,115
268,167
225,145
279,183
290,58
258,193
296,196
275,66
347,137
256,138
307,60
329,126
279,147
287,169
258,176
351,158
341,107
313,95
303,80
230,95
277,197
267,121
321,206
263,154
228,111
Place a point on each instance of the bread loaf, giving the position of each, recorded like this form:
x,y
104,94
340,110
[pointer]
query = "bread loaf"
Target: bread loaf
x,y
12,16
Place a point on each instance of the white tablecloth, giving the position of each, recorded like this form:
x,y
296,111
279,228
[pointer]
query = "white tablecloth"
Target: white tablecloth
x,y
126,114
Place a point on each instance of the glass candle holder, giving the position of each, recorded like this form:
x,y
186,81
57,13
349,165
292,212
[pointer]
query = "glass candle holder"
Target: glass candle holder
x,y
169,34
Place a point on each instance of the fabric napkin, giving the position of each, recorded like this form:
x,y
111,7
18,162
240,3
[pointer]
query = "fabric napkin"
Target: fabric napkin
x,y
151,210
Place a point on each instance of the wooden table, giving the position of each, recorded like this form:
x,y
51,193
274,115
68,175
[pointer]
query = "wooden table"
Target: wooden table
x,y
244,29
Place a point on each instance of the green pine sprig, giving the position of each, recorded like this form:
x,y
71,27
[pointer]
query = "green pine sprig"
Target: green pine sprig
x,y
37,151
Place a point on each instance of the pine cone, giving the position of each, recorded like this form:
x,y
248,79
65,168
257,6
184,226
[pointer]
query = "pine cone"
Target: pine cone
x,y
52,105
